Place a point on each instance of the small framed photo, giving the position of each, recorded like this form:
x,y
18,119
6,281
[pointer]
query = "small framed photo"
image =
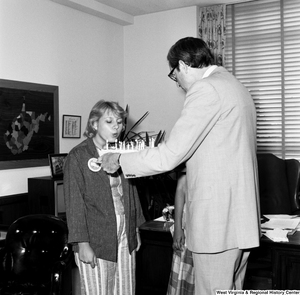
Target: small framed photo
x,y
71,126
56,162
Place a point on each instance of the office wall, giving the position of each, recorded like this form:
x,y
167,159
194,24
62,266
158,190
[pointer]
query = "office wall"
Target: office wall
x,y
90,59
147,86
48,43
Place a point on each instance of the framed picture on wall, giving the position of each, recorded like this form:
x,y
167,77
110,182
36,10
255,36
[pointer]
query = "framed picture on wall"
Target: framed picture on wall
x,y
56,162
29,124
71,126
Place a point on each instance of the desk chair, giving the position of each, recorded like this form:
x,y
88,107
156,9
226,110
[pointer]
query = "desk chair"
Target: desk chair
x,y
36,258
279,194
279,184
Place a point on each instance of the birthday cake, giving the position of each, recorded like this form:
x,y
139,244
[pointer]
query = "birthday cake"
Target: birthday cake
x,y
94,164
120,151
125,147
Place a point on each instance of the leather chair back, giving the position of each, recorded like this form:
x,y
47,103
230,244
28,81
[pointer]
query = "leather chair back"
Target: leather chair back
x,y
279,184
35,252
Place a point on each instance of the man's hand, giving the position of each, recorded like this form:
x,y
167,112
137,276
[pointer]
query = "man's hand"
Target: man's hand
x,y
110,162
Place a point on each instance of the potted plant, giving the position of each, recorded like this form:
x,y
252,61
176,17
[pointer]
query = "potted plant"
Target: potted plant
x,y
157,191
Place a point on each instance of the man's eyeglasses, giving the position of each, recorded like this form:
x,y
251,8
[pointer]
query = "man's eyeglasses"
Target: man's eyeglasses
x,y
172,76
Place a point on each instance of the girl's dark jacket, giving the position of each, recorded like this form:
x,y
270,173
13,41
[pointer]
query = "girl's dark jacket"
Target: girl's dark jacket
x,y
90,208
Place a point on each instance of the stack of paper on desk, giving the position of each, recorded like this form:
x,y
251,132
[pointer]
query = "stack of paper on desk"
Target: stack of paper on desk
x,y
280,223
279,226
277,235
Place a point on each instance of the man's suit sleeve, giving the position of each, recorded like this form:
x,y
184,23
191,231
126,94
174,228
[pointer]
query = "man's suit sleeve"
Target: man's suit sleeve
x,y
201,111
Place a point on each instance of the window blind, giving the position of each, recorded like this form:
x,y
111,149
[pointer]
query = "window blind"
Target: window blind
x,y
263,52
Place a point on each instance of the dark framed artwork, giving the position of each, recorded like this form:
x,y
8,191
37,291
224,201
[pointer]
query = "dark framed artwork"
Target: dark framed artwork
x,y
56,162
29,124
71,126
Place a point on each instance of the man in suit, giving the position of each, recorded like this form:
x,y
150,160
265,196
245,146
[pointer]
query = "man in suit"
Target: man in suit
x,y
215,136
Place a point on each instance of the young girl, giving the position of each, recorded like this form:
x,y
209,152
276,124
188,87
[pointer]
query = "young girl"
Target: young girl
x,y
103,210
181,281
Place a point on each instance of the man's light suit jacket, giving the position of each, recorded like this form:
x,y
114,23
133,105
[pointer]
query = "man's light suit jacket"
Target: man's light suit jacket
x,y
216,136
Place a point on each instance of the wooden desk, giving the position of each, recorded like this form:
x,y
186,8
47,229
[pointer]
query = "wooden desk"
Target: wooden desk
x,y
154,259
285,262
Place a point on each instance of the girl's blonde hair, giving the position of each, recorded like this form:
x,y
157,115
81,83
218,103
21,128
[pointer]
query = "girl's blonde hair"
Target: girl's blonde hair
x,y
98,111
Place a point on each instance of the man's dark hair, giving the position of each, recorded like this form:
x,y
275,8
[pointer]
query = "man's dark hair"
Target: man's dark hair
x,y
192,51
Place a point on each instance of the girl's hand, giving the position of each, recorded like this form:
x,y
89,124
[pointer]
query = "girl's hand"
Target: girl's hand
x,y
178,239
86,254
